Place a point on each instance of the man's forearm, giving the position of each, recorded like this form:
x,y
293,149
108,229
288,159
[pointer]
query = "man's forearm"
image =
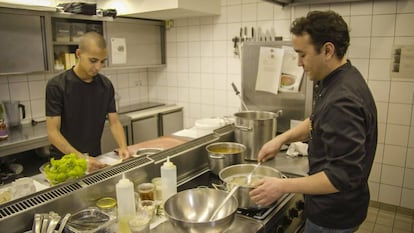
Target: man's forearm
x,y
298,133
57,139
119,134
316,184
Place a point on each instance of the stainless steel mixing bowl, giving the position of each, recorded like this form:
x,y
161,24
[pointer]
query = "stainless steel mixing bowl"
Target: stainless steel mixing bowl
x,y
190,210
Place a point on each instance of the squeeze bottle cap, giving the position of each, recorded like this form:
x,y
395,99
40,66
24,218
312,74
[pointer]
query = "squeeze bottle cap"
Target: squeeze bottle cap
x,y
123,180
168,163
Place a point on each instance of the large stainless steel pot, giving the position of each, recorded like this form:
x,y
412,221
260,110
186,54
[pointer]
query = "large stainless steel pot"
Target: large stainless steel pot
x,y
237,174
224,154
253,129
190,210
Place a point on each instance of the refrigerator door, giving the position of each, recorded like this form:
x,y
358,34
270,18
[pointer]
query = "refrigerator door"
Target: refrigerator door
x,y
171,122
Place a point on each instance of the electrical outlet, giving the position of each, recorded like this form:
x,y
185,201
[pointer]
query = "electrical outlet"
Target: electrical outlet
x,y
138,83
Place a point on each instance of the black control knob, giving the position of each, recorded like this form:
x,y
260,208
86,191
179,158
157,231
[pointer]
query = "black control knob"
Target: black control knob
x,y
280,229
300,205
293,213
286,221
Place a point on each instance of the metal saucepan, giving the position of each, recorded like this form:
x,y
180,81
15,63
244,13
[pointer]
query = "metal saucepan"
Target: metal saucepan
x,y
237,175
224,154
190,210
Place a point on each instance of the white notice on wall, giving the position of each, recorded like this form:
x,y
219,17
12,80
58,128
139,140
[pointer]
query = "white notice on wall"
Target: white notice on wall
x,y
118,49
402,62
292,73
269,69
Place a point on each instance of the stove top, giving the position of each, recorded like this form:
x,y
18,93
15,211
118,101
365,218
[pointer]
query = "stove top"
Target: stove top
x,y
209,179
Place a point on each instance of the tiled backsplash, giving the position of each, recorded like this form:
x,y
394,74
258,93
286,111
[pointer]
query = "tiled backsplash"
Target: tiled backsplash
x,y
201,67
130,85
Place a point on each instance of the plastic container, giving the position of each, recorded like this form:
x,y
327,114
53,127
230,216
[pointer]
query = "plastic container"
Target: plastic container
x,y
207,125
90,220
125,197
62,32
168,179
76,31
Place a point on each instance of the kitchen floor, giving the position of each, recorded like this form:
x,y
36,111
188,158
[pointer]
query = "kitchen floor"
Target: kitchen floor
x,y
383,218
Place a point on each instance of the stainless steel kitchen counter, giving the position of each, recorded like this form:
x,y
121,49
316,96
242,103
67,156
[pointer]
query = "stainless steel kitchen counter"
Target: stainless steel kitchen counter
x,y
241,224
23,138
29,137
286,164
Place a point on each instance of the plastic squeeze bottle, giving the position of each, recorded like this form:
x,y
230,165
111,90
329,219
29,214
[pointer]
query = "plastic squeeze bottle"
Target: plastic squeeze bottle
x,y
168,179
125,198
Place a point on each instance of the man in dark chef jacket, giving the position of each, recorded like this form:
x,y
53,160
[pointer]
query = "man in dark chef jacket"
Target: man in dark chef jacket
x,y
342,131
77,103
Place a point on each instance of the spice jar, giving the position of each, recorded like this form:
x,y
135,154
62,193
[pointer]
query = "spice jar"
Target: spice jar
x,y
108,205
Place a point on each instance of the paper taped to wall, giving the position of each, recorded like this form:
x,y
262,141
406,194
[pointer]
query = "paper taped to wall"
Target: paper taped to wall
x,y
292,73
269,69
278,70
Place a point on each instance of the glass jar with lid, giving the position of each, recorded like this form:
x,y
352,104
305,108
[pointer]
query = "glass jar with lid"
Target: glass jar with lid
x,y
108,205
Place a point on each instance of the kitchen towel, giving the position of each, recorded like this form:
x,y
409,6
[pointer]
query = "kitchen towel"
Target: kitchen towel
x,y
297,148
269,69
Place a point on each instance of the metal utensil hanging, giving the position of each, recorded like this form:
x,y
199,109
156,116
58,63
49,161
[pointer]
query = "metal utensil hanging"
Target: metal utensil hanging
x,y
238,94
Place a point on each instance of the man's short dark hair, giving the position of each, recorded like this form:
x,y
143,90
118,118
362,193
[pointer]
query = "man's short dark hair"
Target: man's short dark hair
x,y
322,27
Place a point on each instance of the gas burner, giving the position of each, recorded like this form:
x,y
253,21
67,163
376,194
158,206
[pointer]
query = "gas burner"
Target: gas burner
x,y
261,213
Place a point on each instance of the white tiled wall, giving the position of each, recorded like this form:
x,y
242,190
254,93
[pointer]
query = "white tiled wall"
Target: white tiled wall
x,y
200,51
131,86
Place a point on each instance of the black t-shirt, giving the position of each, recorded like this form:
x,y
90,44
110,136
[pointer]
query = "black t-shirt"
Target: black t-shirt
x,y
83,108
342,143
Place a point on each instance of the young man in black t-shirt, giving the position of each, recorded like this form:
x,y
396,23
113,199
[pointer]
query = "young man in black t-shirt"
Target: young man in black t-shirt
x,y
79,100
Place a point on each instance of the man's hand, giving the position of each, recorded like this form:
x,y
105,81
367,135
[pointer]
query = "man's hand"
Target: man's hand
x,y
270,149
94,164
266,191
123,153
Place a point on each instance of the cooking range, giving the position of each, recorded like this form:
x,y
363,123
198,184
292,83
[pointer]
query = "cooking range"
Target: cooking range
x,y
285,215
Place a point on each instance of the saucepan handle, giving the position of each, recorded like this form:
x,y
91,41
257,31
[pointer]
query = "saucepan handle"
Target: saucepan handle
x,y
243,128
23,110
219,186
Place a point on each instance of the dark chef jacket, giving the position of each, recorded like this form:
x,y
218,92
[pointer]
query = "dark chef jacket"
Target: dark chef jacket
x,y
83,108
343,141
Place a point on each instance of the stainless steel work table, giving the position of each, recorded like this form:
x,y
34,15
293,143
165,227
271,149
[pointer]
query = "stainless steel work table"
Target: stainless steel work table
x,y
28,137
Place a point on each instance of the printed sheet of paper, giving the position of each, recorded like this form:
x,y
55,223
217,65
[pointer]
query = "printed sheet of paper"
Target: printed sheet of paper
x,y
292,73
402,62
118,49
269,69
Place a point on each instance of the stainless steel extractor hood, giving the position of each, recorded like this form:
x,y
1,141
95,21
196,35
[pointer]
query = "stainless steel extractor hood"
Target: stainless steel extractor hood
x,y
303,2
